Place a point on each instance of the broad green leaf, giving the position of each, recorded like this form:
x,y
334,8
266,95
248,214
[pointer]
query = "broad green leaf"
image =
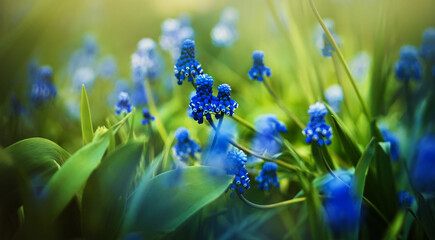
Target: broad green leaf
x,y
320,153
395,228
161,204
86,120
105,194
350,146
131,131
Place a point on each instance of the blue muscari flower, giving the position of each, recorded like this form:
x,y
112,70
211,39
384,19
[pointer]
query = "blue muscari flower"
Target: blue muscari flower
x,y
258,70
147,117
139,96
203,104
146,61
174,32
225,33
408,67
225,105
405,199
360,65
83,75
317,130
269,128
392,138
185,148
422,171
90,45
235,165
43,89
334,97
121,85
327,46
427,48
123,105
107,67
187,66
85,56
341,208
267,177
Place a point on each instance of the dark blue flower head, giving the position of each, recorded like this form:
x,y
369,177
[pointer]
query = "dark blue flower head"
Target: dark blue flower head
x,y
185,148
235,165
317,130
423,175
427,48
408,67
43,89
123,105
203,104
267,177
187,66
405,199
394,142
225,105
259,70
341,208
147,117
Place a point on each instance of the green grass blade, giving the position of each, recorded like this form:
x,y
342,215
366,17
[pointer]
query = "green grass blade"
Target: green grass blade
x,y
85,116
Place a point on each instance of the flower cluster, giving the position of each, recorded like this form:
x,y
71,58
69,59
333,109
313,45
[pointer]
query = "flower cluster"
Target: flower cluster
x,y
235,165
82,63
394,142
224,103
334,97
408,67
187,66
423,176
405,199
107,67
259,70
317,130
145,62
427,48
147,117
123,105
185,147
174,32
203,104
224,34
267,177
43,89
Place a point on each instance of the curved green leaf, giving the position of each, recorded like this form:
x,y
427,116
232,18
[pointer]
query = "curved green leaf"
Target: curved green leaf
x,y
85,115
105,194
161,204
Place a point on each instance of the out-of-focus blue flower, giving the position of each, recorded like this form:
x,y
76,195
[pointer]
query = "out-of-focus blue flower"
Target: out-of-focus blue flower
x,y
423,175
85,56
146,62
224,34
187,66
83,75
185,148
427,48
334,97
317,130
408,67
43,89
327,47
32,69
269,128
123,105
225,105
203,104
405,199
267,177
235,165
107,68
217,155
174,32
121,85
139,96
147,117
341,208
392,138
321,40
259,70
360,65
90,45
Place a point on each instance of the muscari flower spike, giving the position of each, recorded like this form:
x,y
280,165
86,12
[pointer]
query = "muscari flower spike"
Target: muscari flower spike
x,y
267,177
334,97
147,117
259,70
427,48
185,148
43,89
225,105
174,32
327,46
187,66
405,199
235,165
123,105
203,104
392,138
422,174
408,67
145,62
317,130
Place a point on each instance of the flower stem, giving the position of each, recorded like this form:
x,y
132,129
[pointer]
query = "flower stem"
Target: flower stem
x,y
343,61
274,205
215,137
282,106
153,108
